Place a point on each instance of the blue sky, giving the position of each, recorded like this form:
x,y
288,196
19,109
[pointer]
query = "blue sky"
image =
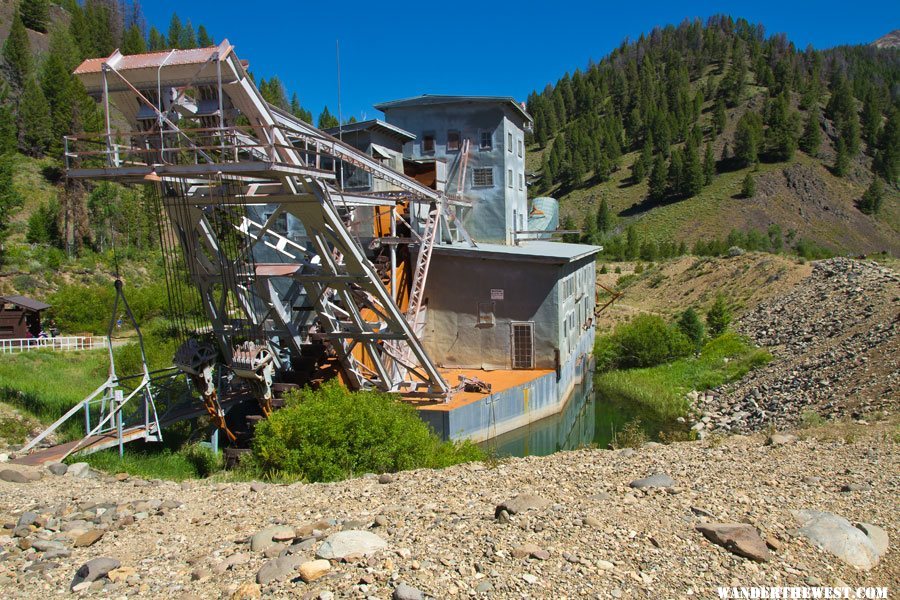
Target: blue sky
x,y
393,50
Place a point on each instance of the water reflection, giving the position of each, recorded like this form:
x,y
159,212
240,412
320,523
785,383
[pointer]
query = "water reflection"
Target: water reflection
x,y
588,419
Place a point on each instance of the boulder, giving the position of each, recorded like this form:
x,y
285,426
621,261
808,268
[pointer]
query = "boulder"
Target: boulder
x,y
58,468
13,476
80,470
88,538
345,543
279,568
657,480
876,534
738,538
837,536
521,503
92,570
780,439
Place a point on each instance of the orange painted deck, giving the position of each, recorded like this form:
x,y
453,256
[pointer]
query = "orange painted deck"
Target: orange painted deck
x,y
500,379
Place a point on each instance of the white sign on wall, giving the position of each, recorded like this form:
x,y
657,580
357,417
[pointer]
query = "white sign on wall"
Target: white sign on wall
x,y
496,294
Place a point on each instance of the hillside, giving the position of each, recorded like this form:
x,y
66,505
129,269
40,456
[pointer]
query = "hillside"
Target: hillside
x,y
888,40
824,128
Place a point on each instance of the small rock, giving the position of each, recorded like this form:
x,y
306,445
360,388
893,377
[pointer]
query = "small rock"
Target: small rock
x,y
94,569
591,521
346,543
257,487
121,574
246,591
58,468
521,503
657,480
525,550
385,478
88,538
856,487
738,538
407,592
780,439
314,569
484,587
27,518
529,578
278,568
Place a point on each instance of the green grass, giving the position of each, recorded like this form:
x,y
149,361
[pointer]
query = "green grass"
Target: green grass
x,y
152,461
663,389
45,384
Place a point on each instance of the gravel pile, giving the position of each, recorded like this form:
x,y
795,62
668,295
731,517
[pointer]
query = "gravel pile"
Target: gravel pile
x,y
655,522
835,338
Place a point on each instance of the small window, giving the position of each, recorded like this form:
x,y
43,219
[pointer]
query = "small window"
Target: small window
x,y
521,181
487,140
521,149
452,141
428,143
509,178
483,177
509,142
485,314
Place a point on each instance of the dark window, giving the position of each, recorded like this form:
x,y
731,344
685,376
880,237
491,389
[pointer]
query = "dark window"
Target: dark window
x,y
452,141
509,142
487,140
428,142
483,177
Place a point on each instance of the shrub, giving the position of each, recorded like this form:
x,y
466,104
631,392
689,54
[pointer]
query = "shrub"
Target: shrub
x,y
748,186
202,459
603,270
645,342
332,433
638,269
689,324
618,270
718,317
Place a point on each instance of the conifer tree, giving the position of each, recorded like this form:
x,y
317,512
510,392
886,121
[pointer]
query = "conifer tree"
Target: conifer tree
x,y
693,178
811,138
718,317
174,38
155,40
658,179
9,200
604,217
17,52
719,116
781,134
188,37
841,158
57,86
871,118
632,243
709,165
133,42
35,125
35,14
871,201
676,173
748,186
748,138
8,141
887,157
568,224
204,40
326,119
589,233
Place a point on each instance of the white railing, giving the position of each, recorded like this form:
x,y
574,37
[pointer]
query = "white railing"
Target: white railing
x,y
56,343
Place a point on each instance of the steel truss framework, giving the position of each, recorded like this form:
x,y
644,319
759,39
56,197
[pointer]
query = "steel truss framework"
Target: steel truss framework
x,y
246,159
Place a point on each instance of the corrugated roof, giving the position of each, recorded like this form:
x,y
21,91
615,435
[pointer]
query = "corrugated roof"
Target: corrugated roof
x,y
534,251
150,60
370,125
430,99
24,302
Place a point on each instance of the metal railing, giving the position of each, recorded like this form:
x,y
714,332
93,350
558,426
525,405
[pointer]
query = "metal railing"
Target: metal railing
x,y
57,343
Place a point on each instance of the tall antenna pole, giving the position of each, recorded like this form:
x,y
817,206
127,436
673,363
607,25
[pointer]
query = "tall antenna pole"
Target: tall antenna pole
x,y
337,45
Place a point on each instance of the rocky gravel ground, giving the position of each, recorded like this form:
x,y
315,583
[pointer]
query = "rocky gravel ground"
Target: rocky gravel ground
x,y
670,521
835,338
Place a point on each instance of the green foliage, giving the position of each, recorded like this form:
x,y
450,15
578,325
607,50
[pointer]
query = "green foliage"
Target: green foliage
x,y
887,157
871,201
604,217
204,40
17,52
718,317
748,186
748,138
10,201
332,434
632,435
709,165
782,129
658,179
811,138
810,250
644,342
690,325
35,124
43,225
202,459
662,389
133,41
327,120
841,158
35,14
192,461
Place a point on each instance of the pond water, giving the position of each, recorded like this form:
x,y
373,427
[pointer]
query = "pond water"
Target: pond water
x,y
588,419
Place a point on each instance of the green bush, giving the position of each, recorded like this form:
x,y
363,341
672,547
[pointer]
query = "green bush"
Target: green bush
x,y
718,317
332,433
202,459
644,342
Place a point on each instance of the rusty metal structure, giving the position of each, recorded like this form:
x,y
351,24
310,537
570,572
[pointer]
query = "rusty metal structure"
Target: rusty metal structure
x,y
264,262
